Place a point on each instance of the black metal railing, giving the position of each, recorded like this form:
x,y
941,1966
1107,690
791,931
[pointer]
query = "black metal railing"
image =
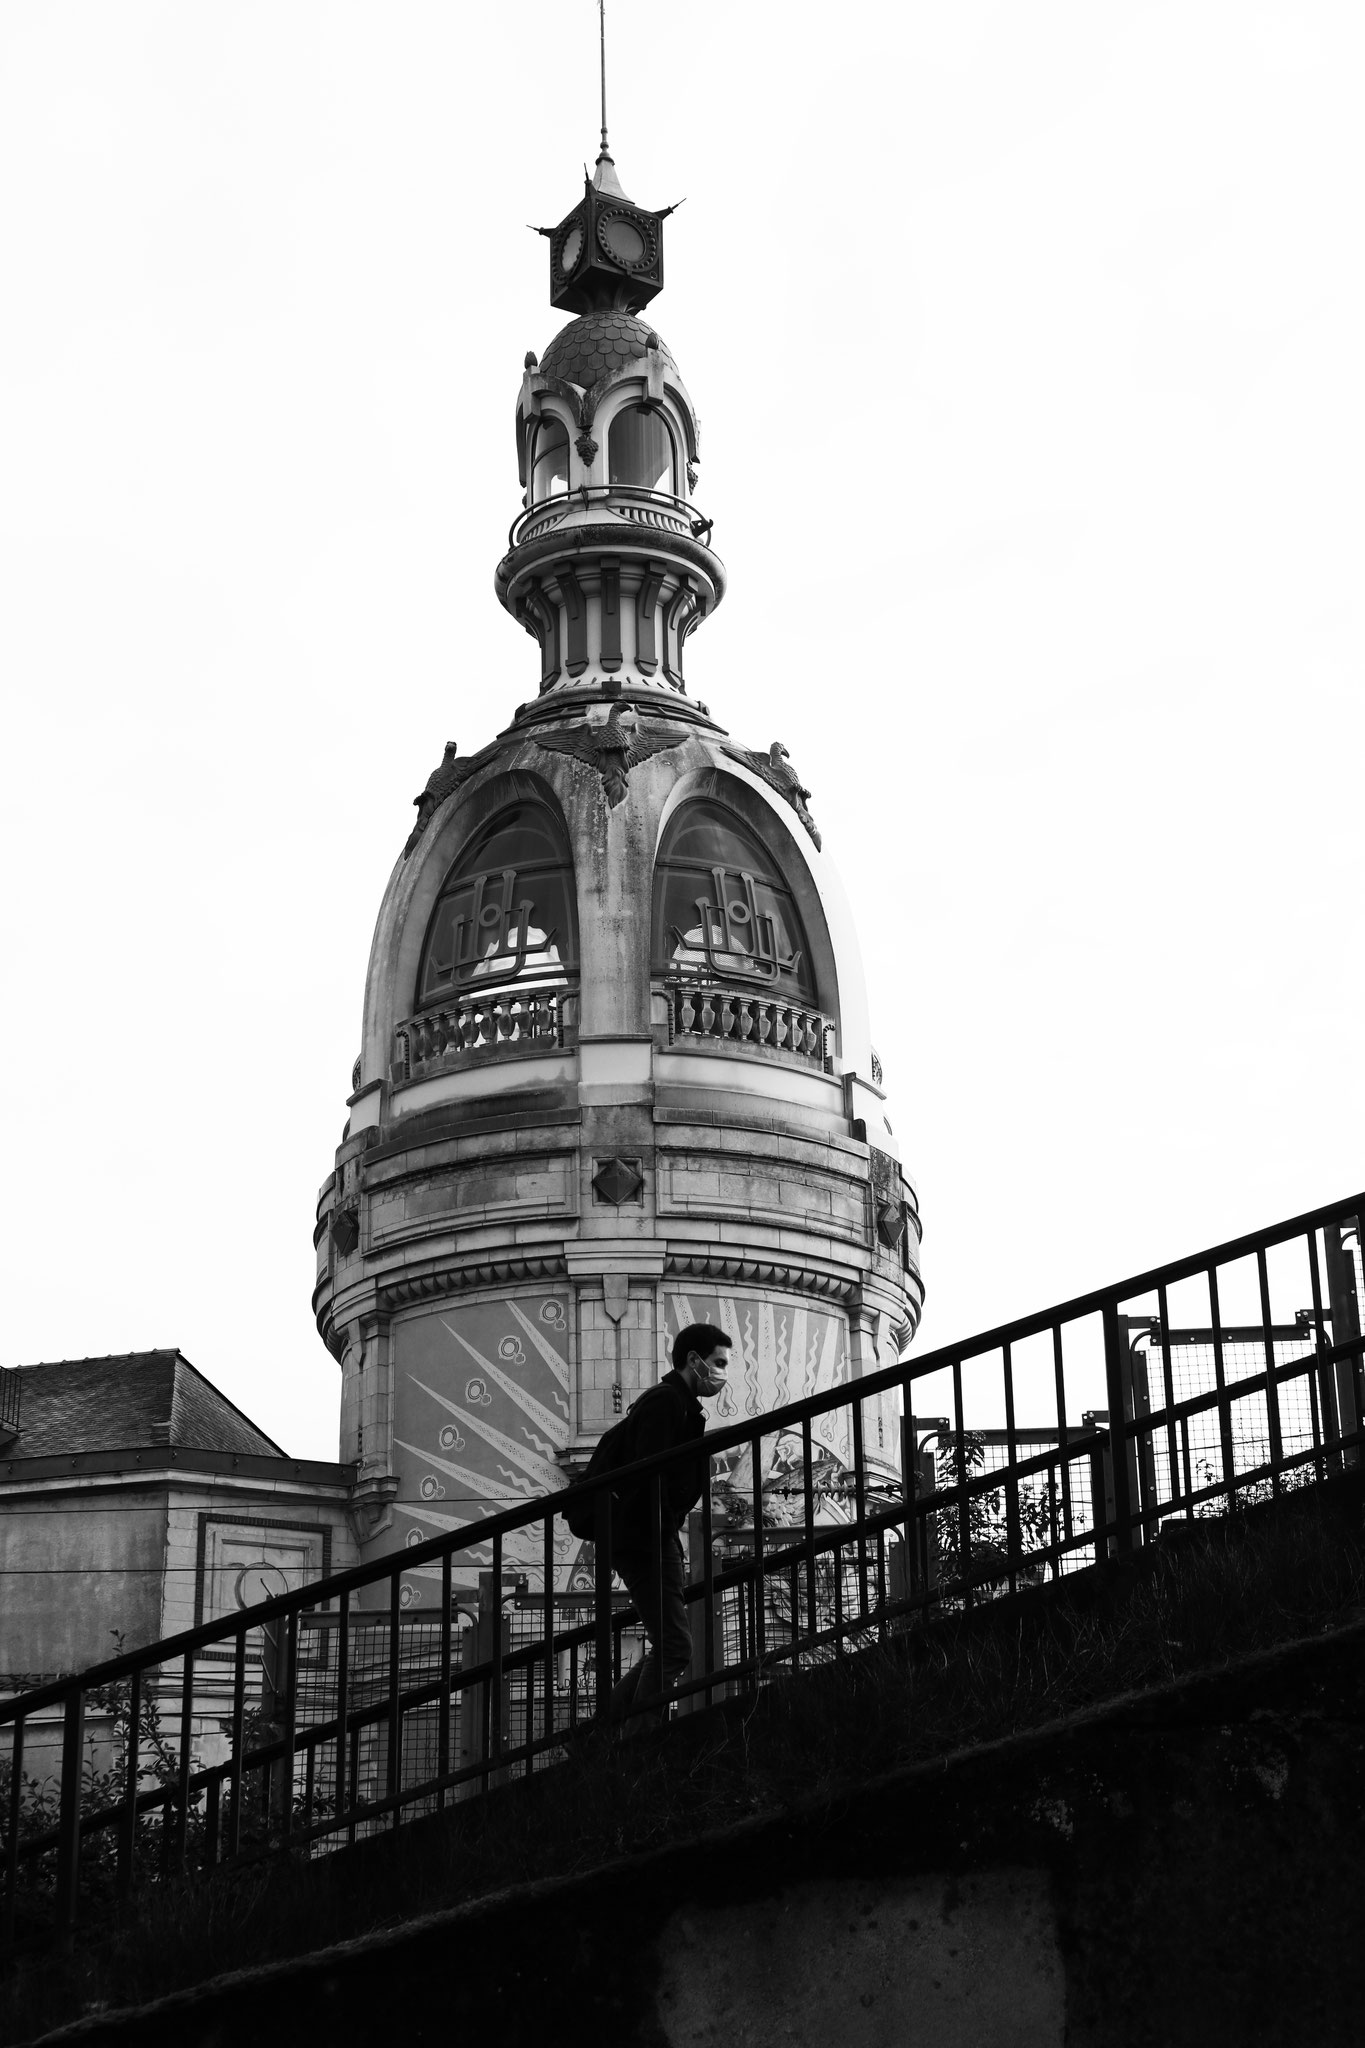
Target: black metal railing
x,y
1218,1381
659,511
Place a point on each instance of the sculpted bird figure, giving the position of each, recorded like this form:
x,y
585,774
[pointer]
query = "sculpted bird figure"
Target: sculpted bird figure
x,y
613,749
440,783
775,770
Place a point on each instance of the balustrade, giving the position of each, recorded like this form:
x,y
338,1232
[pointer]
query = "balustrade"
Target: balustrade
x,y
527,1019
739,1017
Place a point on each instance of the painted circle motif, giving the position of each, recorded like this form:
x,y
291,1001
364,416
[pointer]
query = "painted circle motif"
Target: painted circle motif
x,y
409,1597
510,1349
552,1312
450,1438
476,1393
431,1487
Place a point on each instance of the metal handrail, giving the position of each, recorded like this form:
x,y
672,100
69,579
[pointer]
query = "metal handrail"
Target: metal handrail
x,y
846,1579
588,495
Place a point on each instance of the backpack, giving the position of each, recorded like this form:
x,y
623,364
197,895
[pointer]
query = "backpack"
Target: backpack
x,y
612,1450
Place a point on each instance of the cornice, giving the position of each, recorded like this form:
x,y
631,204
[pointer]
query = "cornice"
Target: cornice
x,y
598,538
763,1273
400,1292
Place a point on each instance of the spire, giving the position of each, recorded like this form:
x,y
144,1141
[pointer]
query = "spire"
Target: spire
x,y
602,27
604,176
608,254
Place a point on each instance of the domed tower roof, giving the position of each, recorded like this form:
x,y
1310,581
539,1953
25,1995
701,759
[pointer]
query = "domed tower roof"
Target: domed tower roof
x,y
594,347
616,1074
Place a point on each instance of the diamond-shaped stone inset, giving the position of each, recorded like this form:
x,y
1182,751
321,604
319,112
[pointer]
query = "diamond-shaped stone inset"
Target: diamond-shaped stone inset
x,y
617,1181
890,1223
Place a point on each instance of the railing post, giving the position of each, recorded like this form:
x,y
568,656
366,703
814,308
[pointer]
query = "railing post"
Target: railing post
x,y
185,1759
602,1604
1344,1308
127,1834
16,1814
69,1820
393,1773
291,1624
1125,1536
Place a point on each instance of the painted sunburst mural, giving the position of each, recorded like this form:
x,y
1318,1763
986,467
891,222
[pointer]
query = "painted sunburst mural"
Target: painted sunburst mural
x,y
783,1350
481,1409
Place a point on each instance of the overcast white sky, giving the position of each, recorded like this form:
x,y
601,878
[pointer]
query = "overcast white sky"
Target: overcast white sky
x,y
1028,347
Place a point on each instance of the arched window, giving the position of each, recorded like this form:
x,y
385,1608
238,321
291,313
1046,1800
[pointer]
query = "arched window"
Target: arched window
x,y
640,451
550,462
722,910
505,913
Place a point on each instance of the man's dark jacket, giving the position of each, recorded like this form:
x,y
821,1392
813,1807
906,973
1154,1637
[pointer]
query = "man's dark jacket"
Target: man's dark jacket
x,y
663,1416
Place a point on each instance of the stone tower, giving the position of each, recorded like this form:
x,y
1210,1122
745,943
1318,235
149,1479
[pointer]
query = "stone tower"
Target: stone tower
x,y
616,1073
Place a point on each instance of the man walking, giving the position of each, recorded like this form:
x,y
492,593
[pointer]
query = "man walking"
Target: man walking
x,y
664,1416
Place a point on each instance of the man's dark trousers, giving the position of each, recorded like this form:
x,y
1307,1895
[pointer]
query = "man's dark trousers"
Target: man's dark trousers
x,y
670,1637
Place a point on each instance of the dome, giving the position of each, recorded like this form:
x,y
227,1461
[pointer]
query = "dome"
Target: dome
x,y
589,349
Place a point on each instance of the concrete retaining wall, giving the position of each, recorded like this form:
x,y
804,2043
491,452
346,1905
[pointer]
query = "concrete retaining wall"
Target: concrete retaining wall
x,y
1186,1866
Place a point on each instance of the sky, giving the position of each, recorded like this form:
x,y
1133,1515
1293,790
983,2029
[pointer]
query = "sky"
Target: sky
x,y
1027,346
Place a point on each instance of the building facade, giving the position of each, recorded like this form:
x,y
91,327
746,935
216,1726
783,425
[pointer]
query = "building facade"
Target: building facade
x,y
137,1501
616,1071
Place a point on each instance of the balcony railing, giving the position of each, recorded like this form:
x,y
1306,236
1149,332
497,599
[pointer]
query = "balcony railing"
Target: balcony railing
x,y
657,509
1201,1388
508,1021
713,1013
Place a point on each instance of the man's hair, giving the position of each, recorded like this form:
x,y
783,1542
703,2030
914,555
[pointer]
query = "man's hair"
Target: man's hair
x,y
702,1337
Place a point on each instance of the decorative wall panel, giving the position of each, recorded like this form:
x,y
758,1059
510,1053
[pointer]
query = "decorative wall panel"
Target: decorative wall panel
x,y
480,1409
783,1350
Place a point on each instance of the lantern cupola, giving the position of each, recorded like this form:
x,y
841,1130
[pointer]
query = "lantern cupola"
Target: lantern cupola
x,y
609,566
608,254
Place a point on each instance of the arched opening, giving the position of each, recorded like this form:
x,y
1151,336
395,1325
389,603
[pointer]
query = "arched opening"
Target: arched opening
x,y
550,458
640,451
505,914
722,909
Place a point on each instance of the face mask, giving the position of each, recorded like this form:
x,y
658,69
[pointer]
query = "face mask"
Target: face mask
x,y
713,1375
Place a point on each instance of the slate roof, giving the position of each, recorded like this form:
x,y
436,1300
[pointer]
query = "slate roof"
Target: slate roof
x,y
142,1400
590,349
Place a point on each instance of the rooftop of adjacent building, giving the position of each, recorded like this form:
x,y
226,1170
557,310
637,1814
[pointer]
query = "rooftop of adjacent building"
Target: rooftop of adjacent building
x,y
140,1399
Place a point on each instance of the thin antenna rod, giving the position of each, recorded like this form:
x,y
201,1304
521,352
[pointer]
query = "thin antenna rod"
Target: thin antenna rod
x,y
602,26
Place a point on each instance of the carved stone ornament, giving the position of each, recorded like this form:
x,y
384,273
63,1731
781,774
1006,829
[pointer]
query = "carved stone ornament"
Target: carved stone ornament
x,y
440,784
613,749
890,1223
773,769
587,449
346,1231
617,1181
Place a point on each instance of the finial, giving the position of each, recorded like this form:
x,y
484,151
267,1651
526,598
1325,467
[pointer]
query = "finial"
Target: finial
x,y
602,30
604,176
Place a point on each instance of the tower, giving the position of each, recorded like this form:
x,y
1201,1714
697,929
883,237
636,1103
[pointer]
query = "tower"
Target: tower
x,y
616,1073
